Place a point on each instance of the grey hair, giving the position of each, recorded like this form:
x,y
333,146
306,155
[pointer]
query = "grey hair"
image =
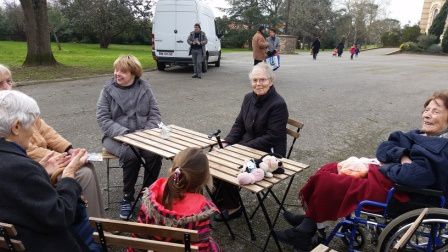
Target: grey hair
x,y
263,66
4,71
16,106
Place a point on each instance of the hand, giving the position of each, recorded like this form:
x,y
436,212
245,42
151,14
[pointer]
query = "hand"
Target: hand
x,y
54,161
405,160
72,151
78,159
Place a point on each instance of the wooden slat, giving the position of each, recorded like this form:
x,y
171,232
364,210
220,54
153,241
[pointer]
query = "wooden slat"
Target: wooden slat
x,y
144,229
145,244
242,147
171,139
232,180
292,133
153,143
295,123
405,238
10,229
17,245
190,131
192,136
234,152
161,140
321,248
162,153
199,144
107,155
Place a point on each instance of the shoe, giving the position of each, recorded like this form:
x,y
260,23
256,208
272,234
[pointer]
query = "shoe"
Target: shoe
x,y
194,76
199,77
293,219
301,241
225,215
125,209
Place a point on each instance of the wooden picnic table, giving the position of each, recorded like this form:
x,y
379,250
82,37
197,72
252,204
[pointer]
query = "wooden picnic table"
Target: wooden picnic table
x,y
180,138
225,165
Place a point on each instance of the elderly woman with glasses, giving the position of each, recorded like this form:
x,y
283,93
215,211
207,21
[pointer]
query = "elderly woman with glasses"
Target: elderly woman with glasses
x,y
261,124
41,213
45,141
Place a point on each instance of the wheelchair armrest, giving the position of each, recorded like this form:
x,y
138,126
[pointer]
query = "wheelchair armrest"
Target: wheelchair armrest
x,y
428,192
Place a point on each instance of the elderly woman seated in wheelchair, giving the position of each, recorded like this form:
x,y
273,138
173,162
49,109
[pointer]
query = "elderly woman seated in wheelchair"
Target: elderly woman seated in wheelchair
x,y
417,159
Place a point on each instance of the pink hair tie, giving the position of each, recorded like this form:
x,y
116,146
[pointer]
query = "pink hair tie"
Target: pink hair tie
x,y
177,174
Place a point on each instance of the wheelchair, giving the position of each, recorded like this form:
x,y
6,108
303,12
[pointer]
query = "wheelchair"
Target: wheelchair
x,y
387,225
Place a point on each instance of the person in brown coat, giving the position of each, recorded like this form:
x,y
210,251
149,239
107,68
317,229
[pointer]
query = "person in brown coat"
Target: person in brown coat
x,y
259,45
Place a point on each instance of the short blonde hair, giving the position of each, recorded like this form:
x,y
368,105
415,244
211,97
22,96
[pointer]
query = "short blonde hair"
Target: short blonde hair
x,y
129,63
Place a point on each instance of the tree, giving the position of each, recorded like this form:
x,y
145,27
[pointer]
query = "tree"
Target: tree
x,y
438,24
410,33
445,41
37,33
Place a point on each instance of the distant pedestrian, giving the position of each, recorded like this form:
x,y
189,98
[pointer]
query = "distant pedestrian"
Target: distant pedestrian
x,y
273,43
197,41
259,45
340,49
352,51
335,52
315,47
357,50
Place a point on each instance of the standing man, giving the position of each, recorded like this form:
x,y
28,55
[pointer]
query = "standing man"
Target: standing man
x,y
259,45
197,41
315,47
340,48
273,43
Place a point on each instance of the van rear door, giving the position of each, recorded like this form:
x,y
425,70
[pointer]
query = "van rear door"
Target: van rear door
x,y
186,17
164,37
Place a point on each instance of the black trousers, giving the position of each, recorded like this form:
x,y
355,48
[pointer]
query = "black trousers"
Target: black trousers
x,y
226,195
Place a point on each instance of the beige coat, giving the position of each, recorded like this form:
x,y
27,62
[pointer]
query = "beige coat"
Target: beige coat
x,y
259,46
44,140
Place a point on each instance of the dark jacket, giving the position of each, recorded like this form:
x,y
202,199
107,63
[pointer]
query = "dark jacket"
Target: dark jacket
x,y
202,40
429,155
261,123
41,213
316,46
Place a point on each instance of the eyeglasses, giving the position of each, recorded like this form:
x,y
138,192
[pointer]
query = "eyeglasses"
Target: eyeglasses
x,y
260,80
7,81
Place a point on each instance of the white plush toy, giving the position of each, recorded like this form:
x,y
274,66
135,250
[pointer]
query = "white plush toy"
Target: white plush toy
x,y
250,173
269,164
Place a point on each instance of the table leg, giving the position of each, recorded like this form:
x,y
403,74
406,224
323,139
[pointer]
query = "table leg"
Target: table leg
x,y
142,162
265,195
225,221
271,227
246,217
278,214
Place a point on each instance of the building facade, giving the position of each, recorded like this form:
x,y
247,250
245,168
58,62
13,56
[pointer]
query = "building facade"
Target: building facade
x,y
430,10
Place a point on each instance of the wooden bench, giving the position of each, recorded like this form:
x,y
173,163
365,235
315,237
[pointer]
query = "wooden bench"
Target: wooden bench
x,y
106,229
7,232
322,248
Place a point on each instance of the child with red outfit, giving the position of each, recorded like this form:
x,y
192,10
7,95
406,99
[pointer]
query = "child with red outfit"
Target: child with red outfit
x,y
177,201
352,51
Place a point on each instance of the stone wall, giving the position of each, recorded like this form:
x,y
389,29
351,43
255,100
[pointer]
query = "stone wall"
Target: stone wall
x,y
288,44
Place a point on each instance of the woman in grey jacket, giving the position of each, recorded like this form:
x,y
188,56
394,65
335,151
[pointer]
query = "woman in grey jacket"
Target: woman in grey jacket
x,y
127,104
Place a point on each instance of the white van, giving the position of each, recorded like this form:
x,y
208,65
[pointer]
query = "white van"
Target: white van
x,y
173,21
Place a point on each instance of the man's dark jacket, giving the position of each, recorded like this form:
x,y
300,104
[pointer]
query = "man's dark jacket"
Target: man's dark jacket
x,y
429,155
261,123
41,213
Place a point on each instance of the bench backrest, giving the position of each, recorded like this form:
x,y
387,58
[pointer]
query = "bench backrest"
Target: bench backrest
x,y
293,129
7,232
104,236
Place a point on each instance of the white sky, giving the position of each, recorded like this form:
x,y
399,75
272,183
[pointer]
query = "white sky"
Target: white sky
x,y
406,11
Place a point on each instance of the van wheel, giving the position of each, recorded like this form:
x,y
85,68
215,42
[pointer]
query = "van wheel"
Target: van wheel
x,y
205,65
160,66
218,63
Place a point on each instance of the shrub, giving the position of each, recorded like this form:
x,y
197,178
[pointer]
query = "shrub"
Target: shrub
x,y
410,33
445,42
436,48
410,47
390,39
425,41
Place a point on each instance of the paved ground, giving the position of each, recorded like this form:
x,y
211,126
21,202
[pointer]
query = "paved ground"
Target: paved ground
x,y
347,107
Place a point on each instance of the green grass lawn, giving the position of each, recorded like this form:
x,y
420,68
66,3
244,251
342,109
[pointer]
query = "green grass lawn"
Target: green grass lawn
x,y
77,60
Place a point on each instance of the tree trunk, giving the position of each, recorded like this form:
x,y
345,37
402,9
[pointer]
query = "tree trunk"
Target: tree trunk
x,y
105,41
37,33
55,36
288,7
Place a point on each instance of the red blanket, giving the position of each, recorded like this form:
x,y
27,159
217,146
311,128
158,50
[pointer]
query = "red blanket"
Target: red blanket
x,y
329,196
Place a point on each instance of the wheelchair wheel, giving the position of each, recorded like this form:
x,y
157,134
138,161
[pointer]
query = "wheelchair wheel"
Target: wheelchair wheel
x,y
358,242
431,235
